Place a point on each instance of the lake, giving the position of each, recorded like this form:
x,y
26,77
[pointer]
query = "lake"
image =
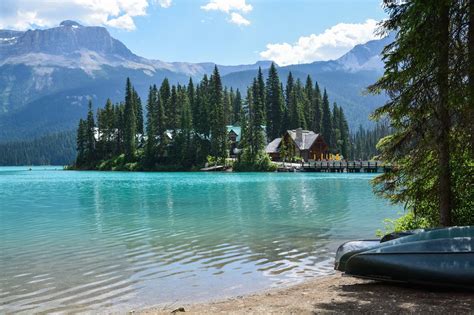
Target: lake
x,y
81,241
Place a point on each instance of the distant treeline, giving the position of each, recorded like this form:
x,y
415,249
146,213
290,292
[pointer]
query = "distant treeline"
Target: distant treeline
x,y
364,142
53,149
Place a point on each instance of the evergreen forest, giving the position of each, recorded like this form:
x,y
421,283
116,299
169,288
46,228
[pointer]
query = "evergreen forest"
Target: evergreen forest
x,y
181,127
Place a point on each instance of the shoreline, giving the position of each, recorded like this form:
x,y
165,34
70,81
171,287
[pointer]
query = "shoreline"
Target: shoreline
x,y
334,293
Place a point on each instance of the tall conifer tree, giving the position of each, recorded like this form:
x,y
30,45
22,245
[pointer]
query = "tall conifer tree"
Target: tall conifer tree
x,y
326,125
218,128
130,123
275,104
317,108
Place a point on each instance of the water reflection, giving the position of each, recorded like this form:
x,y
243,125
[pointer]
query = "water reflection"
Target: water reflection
x,y
103,240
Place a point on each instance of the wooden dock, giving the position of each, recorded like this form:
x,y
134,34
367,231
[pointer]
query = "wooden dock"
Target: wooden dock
x,y
346,166
215,168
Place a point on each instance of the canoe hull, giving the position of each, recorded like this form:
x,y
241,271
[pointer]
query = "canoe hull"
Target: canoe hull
x,y
440,262
451,270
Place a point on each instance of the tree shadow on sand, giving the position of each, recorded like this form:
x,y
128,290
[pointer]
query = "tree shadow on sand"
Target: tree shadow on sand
x,y
378,297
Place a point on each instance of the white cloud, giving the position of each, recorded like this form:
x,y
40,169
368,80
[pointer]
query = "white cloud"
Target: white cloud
x,y
330,44
227,6
124,22
238,19
164,3
25,14
231,7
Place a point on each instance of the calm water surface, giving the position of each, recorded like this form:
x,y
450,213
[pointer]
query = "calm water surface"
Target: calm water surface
x,y
84,241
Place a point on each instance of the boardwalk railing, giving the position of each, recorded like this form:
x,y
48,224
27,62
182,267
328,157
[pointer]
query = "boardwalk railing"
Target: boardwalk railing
x,y
346,166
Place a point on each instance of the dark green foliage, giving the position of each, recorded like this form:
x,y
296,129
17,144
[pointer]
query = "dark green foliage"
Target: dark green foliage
x,y
201,115
294,105
259,97
137,102
130,123
317,109
227,104
186,125
218,130
90,153
184,144
237,107
326,124
171,111
81,143
275,104
428,70
106,122
151,126
252,156
54,149
363,142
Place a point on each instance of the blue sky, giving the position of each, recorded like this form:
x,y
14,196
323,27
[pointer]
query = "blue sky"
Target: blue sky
x,y
222,31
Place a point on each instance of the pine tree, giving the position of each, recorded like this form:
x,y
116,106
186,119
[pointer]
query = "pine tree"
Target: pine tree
x,y
130,122
218,128
293,104
185,140
227,107
308,104
285,124
300,97
160,126
137,102
172,110
109,128
256,119
252,156
326,125
151,125
259,97
290,100
165,97
344,130
90,136
203,109
275,104
336,131
191,94
237,107
426,72
81,143
119,125
317,110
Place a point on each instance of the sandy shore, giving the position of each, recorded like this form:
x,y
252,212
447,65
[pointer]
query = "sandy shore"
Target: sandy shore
x,y
336,294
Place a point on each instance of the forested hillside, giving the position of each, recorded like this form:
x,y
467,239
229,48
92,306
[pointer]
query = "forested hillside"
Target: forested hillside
x,y
54,149
47,77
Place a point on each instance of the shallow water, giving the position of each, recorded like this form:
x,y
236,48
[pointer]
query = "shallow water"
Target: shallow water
x,y
83,241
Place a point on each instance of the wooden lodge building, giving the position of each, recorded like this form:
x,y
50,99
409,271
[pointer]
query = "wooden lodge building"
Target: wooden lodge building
x,y
298,143
233,136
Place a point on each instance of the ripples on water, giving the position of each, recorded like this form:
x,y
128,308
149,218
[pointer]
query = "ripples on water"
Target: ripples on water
x,y
83,241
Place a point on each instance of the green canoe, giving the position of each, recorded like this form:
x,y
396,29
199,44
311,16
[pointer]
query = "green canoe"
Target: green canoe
x,y
438,257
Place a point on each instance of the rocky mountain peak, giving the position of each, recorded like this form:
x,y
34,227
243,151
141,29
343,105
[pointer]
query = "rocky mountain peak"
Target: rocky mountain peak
x,y
365,56
69,23
66,39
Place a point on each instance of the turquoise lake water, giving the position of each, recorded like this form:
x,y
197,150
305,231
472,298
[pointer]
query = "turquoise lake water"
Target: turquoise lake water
x,y
108,241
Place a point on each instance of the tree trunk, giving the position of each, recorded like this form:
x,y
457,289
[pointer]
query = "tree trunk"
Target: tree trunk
x,y
445,190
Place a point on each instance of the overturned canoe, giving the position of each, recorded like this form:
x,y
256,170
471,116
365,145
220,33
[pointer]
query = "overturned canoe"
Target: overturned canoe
x,y
437,257
347,249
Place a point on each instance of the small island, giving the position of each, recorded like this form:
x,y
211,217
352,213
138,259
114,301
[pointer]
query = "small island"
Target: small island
x,y
208,126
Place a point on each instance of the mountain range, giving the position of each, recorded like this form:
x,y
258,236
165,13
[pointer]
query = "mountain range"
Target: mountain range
x,y
47,77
